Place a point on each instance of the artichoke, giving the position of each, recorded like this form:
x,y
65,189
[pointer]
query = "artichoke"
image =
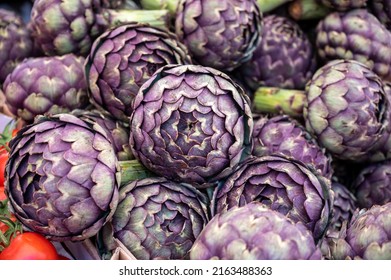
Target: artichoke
x,y
157,219
344,5
285,185
123,59
60,27
118,132
16,42
382,10
347,109
282,134
368,236
191,124
285,57
356,35
254,232
373,184
219,33
53,85
62,177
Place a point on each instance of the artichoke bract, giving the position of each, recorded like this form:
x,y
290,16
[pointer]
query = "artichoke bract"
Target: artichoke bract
x,y
373,184
285,57
344,5
285,185
16,42
62,177
382,10
368,236
123,59
355,35
219,33
254,232
46,85
191,124
282,134
118,133
157,219
347,109
61,27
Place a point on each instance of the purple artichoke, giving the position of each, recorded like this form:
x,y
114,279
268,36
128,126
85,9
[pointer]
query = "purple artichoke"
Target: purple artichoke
x,y
373,185
285,185
356,35
219,33
191,124
16,42
157,219
282,134
285,57
53,85
347,110
123,59
254,232
62,177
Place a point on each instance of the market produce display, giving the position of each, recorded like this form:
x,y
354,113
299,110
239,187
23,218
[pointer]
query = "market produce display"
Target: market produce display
x,y
195,129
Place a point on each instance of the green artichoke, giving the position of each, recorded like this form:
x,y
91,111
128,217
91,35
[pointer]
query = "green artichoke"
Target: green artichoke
x,y
254,232
355,35
373,184
123,59
285,185
60,27
16,42
157,219
344,5
282,134
368,236
46,85
382,10
347,110
285,57
62,177
219,33
191,124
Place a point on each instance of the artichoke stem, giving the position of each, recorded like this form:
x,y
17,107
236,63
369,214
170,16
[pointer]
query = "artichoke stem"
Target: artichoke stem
x,y
156,18
279,101
269,5
133,170
307,10
170,5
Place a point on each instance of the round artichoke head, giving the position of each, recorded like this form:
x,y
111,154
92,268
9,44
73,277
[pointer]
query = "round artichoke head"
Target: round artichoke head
x,y
123,59
284,185
46,85
16,42
157,219
254,232
285,57
282,134
219,33
62,177
347,109
192,124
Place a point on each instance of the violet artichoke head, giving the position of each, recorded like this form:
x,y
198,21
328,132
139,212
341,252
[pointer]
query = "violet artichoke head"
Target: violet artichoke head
x,y
254,232
284,135
284,185
191,124
347,110
46,85
123,59
62,177
285,57
219,33
157,219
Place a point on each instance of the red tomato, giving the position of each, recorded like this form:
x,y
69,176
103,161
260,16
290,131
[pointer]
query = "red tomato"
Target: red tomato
x,y
3,161
29,246
2,194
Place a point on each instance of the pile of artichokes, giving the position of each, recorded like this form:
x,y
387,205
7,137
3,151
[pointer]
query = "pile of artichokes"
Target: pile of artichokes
x,y
202,129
